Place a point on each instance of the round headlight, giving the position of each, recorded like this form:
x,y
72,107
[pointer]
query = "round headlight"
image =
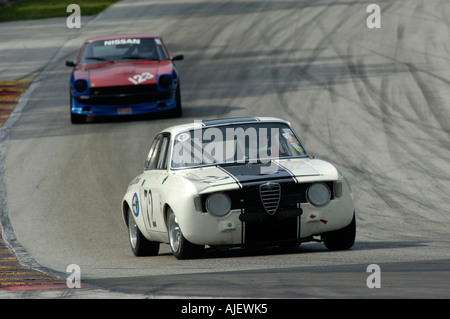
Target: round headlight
x,y
165,81
81,86
218,204
318,194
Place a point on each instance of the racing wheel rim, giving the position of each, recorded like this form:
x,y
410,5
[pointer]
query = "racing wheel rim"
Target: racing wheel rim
x,y
174,232
132,230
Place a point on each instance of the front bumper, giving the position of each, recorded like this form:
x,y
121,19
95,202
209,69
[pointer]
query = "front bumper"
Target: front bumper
x,y
123,105
241,229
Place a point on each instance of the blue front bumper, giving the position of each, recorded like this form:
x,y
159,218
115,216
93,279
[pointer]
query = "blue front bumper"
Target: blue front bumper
x,y
78,106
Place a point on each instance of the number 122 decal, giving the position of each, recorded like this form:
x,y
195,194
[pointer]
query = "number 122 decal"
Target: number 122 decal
x,y
139,78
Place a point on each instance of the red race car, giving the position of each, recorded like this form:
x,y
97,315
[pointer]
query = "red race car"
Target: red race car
x,y
124,75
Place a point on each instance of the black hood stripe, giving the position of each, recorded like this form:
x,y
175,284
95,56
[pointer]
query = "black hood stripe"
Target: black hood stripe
x,y
256,172
290,172
231,175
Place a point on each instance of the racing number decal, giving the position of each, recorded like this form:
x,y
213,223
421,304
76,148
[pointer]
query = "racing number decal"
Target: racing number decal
x,y
139,78
135,205
151,221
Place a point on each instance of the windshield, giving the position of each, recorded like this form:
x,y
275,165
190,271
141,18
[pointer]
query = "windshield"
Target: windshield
x,y
123,49
235,144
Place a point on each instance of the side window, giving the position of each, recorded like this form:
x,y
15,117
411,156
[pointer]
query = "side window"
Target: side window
x,y
151,152
157,157
162,160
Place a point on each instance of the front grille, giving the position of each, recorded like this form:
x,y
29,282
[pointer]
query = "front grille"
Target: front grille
x,y
124,89
270,194
126,99
270,211
249,199
124,95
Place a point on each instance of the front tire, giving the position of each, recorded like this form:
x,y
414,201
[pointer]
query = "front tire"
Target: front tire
x,y
140,245
341,239
180,246
178,111
76,118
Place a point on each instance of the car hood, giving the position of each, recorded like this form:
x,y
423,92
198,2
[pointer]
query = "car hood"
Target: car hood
x,y
123,72
301,170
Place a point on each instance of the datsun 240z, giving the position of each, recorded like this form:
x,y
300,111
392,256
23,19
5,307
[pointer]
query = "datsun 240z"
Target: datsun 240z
x,y
124,75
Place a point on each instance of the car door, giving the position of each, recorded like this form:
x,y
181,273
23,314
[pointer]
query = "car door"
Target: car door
x,y
152,186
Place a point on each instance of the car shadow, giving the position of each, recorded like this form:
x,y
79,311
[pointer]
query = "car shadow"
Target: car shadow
x,y
305,248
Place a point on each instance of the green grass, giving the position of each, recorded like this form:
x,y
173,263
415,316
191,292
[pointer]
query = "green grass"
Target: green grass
x,y
42,9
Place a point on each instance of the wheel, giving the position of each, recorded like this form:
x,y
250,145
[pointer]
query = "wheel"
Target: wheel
x,y
76,118
180,246
140,245
341,239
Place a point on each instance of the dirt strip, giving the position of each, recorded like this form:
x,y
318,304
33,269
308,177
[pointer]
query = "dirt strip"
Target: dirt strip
x,y
14,276
10,92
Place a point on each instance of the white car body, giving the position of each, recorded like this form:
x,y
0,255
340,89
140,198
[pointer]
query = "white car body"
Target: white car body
x,y
170,203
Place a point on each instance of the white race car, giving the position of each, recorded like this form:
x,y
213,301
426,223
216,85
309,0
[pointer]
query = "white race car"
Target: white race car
x,y
235,182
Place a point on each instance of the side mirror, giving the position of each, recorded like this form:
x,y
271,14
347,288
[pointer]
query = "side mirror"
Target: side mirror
x,y
70,63
178,57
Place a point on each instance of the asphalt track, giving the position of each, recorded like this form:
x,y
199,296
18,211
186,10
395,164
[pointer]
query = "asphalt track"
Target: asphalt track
x,y
375,102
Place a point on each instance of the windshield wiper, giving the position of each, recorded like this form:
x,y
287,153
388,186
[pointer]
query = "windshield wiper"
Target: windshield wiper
x,y
134,57
131,57
97,58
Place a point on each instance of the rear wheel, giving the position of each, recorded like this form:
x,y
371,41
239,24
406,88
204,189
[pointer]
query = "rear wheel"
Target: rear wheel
x,y
180,246
140,245
341,239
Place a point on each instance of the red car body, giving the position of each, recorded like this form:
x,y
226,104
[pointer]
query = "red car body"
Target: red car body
x,y
118,75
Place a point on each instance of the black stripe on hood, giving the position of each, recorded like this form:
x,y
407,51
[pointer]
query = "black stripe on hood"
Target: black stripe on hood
x,y
257,172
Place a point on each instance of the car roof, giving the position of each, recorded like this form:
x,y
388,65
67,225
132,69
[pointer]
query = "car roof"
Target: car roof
x,y
112,37
220,122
